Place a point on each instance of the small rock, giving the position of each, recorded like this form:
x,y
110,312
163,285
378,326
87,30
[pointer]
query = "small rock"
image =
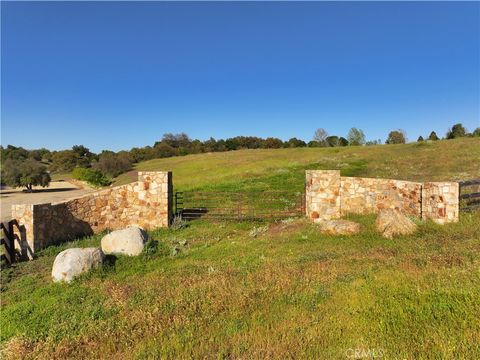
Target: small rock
x,y
129,241
340,227
73,262
391,222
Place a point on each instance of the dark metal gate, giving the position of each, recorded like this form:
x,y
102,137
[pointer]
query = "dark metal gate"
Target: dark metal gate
x,y
469,195
249,205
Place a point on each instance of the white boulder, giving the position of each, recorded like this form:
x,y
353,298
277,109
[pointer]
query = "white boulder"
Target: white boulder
x,y
73,262
129,241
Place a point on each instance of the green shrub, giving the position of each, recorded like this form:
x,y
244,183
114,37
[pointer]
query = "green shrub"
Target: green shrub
x,y
91,176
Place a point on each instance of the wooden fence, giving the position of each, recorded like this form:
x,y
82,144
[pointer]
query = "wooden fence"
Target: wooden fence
x,y
7,241
469,195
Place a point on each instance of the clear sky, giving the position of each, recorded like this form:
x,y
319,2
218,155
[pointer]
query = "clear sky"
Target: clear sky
x,y
113,75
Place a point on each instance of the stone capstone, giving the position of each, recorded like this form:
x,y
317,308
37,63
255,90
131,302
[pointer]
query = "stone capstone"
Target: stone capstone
x,y
129,241
339,227
391,222
73,262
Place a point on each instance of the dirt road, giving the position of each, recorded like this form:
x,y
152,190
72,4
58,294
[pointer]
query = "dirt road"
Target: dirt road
x,y
57,191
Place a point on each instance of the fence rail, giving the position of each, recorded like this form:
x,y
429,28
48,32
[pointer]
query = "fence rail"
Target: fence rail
x,y
7,241
469,195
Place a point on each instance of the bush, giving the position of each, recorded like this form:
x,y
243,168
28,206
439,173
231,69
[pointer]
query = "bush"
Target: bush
x,y
91,176
178,223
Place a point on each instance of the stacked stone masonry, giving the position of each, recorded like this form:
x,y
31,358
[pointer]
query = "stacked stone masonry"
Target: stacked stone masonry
x,y
364,195
322,194
440,201
329,195
146,203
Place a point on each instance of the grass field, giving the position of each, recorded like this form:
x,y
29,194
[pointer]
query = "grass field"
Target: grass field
x,y
255,290
436,161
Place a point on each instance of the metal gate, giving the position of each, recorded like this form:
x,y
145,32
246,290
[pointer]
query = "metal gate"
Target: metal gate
x,y
469,195
249,205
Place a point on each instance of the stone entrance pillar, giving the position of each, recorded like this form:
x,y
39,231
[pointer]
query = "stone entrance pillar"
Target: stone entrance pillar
x,y
322,194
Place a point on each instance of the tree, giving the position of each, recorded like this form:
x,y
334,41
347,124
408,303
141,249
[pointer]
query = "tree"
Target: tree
x,y
142,154
294,142
231,144
476,132
420,139
210,144
332,141
396,137
82,151
113,164
456,131
356,137
175,140
220,145
163,150
342,141
64,160
433,136
28,173
39,154
273,143
320,137
13,152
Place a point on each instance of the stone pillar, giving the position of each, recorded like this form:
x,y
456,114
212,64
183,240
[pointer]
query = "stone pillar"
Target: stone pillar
x,y
322,194
24,231
440,201
158,189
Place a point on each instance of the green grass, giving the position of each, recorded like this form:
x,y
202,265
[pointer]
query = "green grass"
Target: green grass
x,y
255,290
287,292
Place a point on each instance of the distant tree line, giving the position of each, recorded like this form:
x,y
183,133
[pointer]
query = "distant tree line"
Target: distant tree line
x,y
22,167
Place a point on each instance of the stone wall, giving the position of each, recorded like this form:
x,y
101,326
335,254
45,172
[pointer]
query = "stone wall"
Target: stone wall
x,y
329,195
366,195
146,203
322,194
440,201
24,214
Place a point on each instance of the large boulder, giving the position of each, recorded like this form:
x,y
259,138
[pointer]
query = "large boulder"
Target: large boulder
x,y
73,262
391,222
129,241
339,227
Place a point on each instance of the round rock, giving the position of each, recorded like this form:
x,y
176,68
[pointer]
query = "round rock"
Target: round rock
x,y
129,241
73,262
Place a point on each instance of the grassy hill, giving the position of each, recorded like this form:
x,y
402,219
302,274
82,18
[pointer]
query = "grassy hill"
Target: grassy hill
x,y
436,161
255,290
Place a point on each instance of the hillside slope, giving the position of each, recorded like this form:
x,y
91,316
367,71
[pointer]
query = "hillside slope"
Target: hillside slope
x,y
254,290
437,161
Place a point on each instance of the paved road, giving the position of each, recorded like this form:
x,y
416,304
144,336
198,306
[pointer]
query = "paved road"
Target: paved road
x,y
57,191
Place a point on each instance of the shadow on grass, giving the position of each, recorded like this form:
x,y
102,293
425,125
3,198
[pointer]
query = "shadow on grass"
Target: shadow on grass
x,y
110,260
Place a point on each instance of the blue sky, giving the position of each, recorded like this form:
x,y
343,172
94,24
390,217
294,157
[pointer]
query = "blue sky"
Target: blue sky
x,y
120,74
